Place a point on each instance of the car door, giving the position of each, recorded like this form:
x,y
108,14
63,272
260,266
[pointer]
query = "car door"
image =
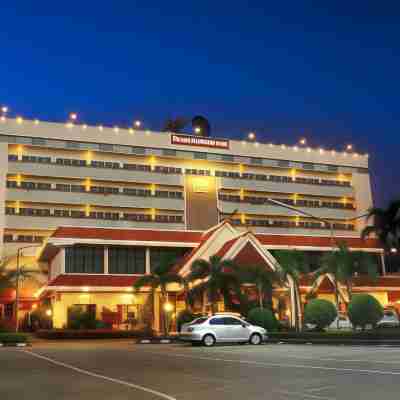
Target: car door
x,y
236,330
217,327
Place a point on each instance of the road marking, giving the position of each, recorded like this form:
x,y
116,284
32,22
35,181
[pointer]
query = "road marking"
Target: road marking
x,y
263,364
106,378
395,362
304,395
320,389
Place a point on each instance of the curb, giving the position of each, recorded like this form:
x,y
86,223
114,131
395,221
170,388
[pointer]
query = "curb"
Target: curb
x,y
155,341
14,344
338,342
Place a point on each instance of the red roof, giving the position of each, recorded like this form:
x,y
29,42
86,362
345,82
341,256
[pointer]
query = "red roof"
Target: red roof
x,y
128,234
312,241
81,280
227,246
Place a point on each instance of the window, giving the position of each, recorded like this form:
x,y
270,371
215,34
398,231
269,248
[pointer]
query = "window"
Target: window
x,y
256,161
232,321
106,147
84,259
309,166
12,157
38,142
63,187
169,152
126,260
61,213
283,164
227,157
159,253
217,321
12,184
73,145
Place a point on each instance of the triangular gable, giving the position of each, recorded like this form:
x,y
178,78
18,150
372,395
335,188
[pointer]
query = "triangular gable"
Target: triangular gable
x,y
212,241
247,249
325,284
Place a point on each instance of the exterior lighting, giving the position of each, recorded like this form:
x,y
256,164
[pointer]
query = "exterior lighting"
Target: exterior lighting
x,y
197,129
49,313
84,126
321,151
295,148
116,129
283,146
137,123
131,131
251,136
271,145
73,116
34,306
168,307
303,141
2,118
256,144
85,289
349,147
243,142
308,149
393,250
36,122
70,125
333,152
19,120
4,109
101,128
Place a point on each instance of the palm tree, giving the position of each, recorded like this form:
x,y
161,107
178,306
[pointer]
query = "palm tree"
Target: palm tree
x,y
343,265
162,275
218,276
386,225
292,266
11,278
261,277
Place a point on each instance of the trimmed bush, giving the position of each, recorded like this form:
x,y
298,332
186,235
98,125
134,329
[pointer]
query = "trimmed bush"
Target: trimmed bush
x,y
184,317
7,338
364,310
263,317
320,312
60,334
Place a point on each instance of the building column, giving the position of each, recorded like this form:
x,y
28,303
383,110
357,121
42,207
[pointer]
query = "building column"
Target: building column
x,y
62,261
383,263
105,260
147,261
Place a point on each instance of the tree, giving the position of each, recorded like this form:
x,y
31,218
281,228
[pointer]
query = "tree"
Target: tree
x,y
264,318
292,266
11,278
365,310
261,277
386,225
320,312
218,278
343,264
175,125
162,275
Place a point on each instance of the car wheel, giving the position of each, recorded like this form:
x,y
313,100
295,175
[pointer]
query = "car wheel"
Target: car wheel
x,y
255,339
208,340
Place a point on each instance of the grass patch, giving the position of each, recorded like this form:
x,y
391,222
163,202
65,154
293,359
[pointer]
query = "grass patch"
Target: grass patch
x,y
8,337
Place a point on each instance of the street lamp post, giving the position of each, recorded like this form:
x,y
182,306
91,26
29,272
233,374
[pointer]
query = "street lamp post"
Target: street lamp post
x,y
18,273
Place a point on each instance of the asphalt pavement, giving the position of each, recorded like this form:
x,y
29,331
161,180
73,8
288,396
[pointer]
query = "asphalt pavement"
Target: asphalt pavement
x,y
100,370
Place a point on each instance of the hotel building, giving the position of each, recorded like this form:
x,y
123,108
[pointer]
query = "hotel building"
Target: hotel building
x,y
92,208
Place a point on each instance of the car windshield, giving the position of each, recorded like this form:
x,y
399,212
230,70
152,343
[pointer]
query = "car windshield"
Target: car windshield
x,y
199,321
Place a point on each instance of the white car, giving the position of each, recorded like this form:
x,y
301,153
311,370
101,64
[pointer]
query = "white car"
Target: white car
x,y
342,322
223,328
390,320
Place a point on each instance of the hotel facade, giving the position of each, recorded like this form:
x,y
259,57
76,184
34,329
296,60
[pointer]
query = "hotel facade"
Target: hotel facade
x,y
93,208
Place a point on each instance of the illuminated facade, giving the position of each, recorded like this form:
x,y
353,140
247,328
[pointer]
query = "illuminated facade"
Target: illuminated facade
x,y
163,185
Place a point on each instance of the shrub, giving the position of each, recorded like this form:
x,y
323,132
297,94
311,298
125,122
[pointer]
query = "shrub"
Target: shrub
x,y
263,317
184,317
60,334
364,310
320,313
7,338
78,319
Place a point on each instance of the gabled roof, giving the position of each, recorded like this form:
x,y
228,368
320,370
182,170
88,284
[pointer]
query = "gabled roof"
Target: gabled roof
x,y
146,235
314,241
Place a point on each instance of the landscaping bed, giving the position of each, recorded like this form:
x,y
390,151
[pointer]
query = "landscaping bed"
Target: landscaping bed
x,y
70,334
382,336
8,339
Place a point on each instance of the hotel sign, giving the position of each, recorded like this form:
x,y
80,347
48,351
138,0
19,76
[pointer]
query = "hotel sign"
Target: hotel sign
x,y
189,140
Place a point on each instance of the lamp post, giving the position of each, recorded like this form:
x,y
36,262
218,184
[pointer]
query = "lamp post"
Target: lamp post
x,y
18,274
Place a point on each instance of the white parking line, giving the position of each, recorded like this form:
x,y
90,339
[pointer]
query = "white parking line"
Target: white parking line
x,y
394,362
281,365
103,377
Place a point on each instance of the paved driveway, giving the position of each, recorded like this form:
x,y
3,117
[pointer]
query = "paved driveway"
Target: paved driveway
x,y
122,370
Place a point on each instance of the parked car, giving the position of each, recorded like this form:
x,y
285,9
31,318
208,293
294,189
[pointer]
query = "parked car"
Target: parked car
x,y
342,322
390,320
222,328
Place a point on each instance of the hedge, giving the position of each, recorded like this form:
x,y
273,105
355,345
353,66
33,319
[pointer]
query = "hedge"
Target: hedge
x,y
381,334
365,310
59,334
320,312
6,338
263,317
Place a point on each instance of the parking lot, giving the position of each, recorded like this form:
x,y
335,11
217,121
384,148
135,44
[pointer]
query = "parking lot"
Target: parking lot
x,y
123,370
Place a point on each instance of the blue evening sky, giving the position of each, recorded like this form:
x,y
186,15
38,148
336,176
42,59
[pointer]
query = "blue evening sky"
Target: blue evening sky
x,y
328,70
